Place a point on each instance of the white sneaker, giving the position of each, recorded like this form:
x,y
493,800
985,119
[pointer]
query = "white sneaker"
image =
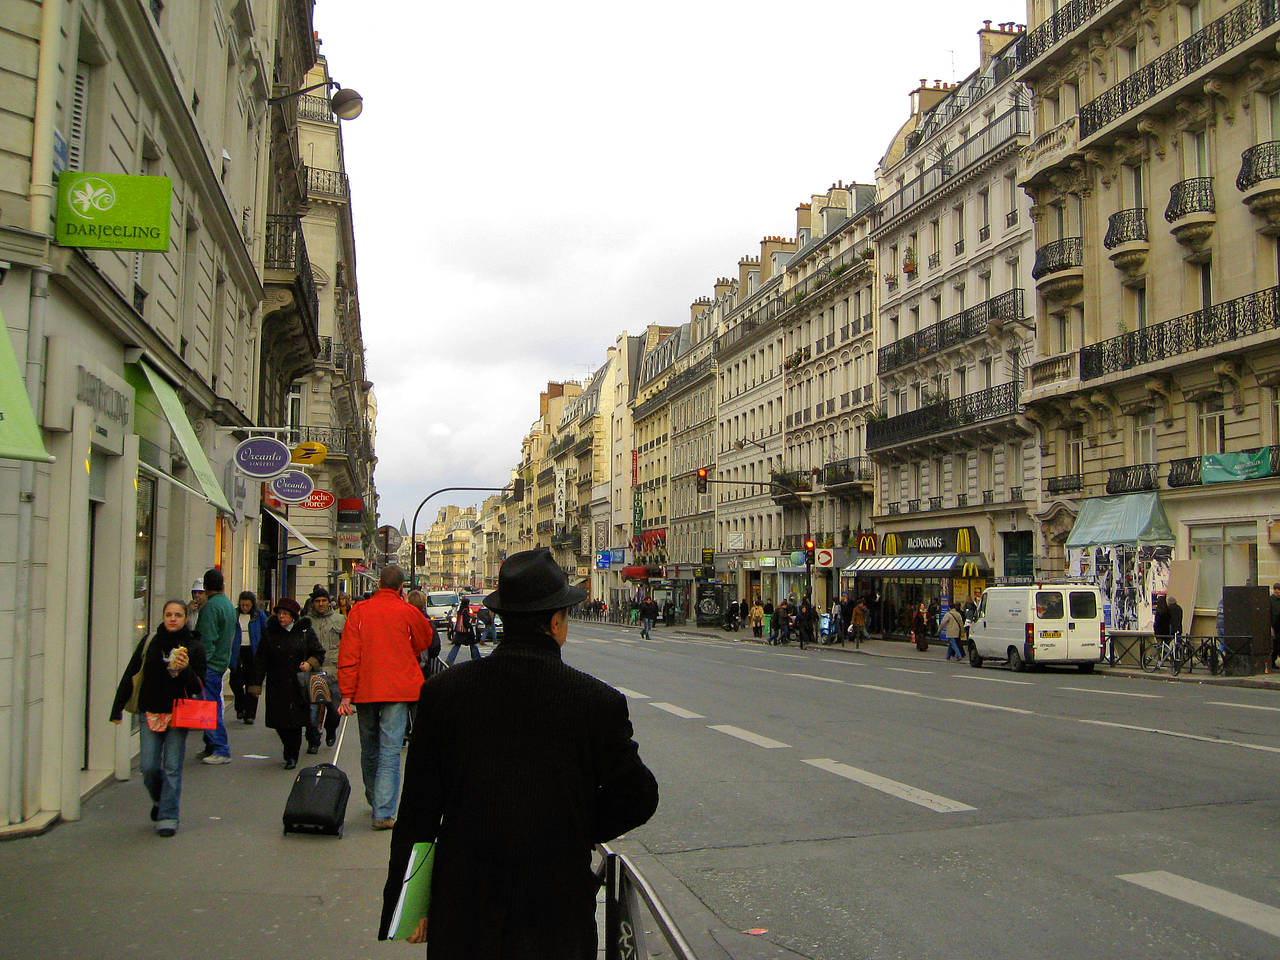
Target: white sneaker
x,y
215,758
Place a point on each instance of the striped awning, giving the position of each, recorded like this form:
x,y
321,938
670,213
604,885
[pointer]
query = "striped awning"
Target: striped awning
x,y
950,564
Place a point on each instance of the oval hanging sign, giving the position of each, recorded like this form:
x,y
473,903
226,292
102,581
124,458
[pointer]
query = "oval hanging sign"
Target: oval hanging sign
x,y
319,500
262,458
311,453
293,486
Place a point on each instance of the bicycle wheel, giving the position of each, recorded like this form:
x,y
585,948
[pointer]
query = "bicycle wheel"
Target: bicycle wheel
x,y
1177,656
1153,658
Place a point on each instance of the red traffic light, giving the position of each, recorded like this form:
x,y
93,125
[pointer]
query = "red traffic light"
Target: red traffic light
x,y
702,473
809,544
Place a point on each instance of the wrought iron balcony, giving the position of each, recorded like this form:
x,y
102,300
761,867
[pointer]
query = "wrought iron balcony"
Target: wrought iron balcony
x,y
895,506
974,408
988,496
332,183
1184,472
1190,196
956,329
1133,479
935,260
1218,38
1011,218
935,503
1221,323
1069,18
1259,163
1058,255
984,234
703,368
286,250
1070,483
913,506
1126,226
334,438
962,499
315,108
850,470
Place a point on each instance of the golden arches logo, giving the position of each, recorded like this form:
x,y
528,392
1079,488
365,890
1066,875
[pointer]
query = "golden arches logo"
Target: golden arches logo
x,y
866,543
964,542
969,570
891,544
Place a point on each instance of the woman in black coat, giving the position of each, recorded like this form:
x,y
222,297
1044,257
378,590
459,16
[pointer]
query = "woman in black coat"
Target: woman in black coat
x,y
288,646
172,661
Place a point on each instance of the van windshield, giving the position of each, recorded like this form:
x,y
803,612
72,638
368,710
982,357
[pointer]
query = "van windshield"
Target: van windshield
x,y
441,599
1084,606
1049,605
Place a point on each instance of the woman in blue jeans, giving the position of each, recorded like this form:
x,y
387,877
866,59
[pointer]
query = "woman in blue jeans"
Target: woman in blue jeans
x,y
464,632
171,662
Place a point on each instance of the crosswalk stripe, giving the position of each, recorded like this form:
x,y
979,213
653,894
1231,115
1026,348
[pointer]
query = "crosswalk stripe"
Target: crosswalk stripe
x,y
893,788
1260,916
675,711
631,694
749,737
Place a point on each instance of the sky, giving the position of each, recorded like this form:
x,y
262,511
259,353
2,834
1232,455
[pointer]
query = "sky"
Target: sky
x,y
530,180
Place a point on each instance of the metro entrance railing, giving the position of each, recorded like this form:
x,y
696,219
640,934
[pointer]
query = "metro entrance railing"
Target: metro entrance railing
x,y
633,911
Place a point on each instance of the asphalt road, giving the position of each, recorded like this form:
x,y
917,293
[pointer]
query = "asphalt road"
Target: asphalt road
x,y
858,806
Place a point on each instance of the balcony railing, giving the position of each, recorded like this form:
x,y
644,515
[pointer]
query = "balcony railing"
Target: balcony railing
x,y
980,407
954,330
334,438
984,233
935,260
1190,196
962,499
286,249
895,506
315,108
704,367
1054,369
913,506
849,470
1071,483
1186,472
1200,49
1258,163
332,183
1069,18
1126,226
1221,323
1133,479
1058,255
935,503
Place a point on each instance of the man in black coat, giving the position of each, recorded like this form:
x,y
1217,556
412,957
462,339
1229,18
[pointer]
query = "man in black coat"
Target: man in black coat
x,y
519,765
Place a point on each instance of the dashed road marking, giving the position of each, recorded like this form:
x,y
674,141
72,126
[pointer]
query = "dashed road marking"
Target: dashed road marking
x,y
631,694
988,706
1217,741
749,737
1114,693
811,676
1242,706
894,788
1260,916
902,693
927,673
970,676
681,712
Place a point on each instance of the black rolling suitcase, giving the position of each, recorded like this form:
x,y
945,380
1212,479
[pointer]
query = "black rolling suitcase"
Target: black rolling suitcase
x,y
318,801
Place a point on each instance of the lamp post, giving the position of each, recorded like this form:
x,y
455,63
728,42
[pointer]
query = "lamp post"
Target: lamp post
x,y
516,487
345,103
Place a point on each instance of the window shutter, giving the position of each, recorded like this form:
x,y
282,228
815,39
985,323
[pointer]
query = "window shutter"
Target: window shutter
x,y
79,108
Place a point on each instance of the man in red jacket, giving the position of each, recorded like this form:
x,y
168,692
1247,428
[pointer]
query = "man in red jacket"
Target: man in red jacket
x,y
379,678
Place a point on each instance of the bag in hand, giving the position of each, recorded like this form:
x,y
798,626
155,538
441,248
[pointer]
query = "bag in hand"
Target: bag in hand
x,y
194,714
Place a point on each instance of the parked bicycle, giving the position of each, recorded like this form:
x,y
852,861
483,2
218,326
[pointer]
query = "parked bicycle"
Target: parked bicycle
x,y
1174,651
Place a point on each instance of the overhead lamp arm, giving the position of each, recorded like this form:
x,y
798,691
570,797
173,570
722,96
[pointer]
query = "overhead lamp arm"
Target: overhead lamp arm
x,y
345,103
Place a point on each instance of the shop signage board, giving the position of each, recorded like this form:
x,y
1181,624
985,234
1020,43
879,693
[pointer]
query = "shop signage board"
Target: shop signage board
x,y
1228,467
635,468
637,513
348,541
618,556
292,486
709,604
736,540
312,453
708,557
823,557
262,458
768,562
106,211
867,543
319,500
560,496
947,540
603,558
350,513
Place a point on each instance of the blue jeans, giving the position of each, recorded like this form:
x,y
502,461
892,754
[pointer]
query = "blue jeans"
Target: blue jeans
x,y
453,654
215,739
953,647
160,763
382,728
645,626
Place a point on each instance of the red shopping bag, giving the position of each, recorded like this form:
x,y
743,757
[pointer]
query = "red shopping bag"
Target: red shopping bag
x,y
195,714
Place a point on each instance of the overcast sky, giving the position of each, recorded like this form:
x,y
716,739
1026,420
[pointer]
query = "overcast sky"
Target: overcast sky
x,y
529,180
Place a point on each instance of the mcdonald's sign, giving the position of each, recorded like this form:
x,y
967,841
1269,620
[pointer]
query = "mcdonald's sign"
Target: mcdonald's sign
x,y
891,544
866,543
961,540
964,544
969,570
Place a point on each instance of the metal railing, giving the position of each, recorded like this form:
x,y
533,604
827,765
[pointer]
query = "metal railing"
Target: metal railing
x,y
1126,226
334,438
1190,196
984,233
1186,471
895,506
332,183
704,367
315,108
935,260
953,414
1070,483
1069,18
849,470
954,330
1221,323
286,249
913,505
935,503
1230,655
1200,49
1058,255
1259,163
1133,478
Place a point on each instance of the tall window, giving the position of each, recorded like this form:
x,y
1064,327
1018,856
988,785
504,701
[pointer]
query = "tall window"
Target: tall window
x,y
1075,451
1206,286
1213,426
1197,158
1013,465
1144,426
1140,306
1228,556
1134,185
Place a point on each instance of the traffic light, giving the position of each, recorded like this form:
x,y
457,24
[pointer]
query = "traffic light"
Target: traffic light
x,y
702,479
420,553
808,551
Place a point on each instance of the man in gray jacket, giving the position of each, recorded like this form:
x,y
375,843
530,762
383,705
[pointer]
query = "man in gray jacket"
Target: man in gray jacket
x,y
327,624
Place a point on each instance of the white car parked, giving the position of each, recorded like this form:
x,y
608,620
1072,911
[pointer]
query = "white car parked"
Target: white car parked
x,y
1043,623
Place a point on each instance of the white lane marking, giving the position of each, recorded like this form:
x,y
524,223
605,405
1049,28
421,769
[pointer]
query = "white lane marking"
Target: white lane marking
x,y
793,656
810,676
988,706
1242,706
904,693
748,736
927,673
1218,741
970,676
590,640
902,791
1114,693
631,694
1260,916
672,709
762,669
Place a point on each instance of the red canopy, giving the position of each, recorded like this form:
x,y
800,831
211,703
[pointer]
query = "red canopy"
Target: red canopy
x,y
635,573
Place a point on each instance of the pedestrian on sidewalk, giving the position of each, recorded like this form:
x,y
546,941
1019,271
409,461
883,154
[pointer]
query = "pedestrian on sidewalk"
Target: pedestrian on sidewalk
x,y
379,677
197,601
756,616
950,632
858,622
250,622
920,628
781,624
327,624
648,614
218,631
172,661
538,766
289,647
464,628
806,621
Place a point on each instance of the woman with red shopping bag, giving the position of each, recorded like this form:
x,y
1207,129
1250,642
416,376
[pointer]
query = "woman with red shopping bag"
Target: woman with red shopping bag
x,y
165,667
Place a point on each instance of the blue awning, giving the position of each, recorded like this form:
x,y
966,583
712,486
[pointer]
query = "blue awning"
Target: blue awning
x,y
921,564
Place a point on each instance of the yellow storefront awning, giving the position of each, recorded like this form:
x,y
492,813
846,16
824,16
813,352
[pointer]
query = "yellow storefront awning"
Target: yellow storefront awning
x,y
19,436
187,439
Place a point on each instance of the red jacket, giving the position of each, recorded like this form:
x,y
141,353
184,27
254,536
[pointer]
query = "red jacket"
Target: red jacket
x,y
378,655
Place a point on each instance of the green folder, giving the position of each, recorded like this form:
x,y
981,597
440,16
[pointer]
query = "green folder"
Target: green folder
x,y
415,892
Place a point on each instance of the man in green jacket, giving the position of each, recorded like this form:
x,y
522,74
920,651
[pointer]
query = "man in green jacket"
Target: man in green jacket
x,y
218,631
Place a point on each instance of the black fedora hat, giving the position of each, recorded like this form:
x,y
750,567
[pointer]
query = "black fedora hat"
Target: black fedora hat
x,y
530,581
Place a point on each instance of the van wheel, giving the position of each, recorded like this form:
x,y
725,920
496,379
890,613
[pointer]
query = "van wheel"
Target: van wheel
x,y
1085,667
974,659
1016,663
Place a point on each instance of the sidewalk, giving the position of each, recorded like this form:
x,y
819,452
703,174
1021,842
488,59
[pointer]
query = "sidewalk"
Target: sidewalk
x,y
937,652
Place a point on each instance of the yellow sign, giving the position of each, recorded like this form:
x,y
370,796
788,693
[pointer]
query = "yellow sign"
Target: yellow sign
x,y
970,570
311,453
963,542
891,545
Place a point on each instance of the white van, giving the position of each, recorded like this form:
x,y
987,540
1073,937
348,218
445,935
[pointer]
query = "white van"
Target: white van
x,y
1043,623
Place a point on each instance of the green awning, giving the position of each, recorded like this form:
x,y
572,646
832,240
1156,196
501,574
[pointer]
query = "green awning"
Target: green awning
x,y
19,436
187,439
1131,519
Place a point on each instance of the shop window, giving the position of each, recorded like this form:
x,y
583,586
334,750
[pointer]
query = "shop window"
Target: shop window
x,y
1228,556
143,545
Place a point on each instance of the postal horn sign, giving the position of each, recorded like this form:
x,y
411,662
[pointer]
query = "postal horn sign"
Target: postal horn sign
x,y
311,453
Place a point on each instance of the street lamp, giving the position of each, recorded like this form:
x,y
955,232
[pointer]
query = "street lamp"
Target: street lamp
x,y
742,443
345,103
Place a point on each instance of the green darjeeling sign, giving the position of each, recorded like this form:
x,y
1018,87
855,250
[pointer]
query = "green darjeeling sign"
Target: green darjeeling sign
x,y
106,211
